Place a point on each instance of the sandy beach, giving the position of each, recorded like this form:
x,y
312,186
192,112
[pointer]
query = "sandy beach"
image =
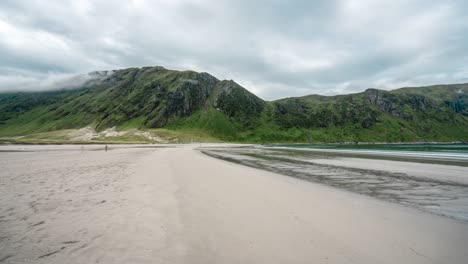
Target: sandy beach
x,y
173,204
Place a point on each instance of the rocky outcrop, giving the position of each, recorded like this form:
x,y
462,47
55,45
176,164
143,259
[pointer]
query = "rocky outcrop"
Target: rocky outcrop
x,y
459,104
386,102
238,103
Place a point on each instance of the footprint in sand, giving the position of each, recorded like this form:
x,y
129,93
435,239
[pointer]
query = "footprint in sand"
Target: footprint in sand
x,y
70,242
52,253
5,257
39,223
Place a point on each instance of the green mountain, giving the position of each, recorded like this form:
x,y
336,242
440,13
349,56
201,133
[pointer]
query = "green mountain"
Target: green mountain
x,y
186,103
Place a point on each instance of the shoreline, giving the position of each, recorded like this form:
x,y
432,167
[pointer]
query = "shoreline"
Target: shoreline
x,y
414,156
440,188
376,143
276,144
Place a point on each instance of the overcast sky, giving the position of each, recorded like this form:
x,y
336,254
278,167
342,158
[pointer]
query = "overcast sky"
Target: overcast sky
x,y
273,48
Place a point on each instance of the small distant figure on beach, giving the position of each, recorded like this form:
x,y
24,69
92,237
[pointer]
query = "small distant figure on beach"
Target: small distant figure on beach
x,y
105,148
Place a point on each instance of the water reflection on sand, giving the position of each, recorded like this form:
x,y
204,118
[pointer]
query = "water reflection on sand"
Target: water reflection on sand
x,y
438,191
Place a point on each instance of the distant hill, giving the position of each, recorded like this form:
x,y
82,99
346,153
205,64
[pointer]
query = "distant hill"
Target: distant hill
x,y
185,101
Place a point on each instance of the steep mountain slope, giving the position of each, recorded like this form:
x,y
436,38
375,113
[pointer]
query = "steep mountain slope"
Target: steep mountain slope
x,y
149,97
154,97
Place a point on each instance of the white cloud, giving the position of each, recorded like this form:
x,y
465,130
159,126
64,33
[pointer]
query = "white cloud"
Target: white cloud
x,y
275,48
31,42
49,81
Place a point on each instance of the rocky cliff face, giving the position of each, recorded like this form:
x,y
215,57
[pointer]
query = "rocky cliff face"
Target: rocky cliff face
x,y
238,103
386,102
185,98
459,104
393,103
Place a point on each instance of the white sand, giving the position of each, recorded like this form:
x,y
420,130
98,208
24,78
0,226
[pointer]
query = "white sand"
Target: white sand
x,y
175,205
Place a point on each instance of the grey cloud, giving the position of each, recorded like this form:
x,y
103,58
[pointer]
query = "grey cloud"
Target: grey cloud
x,y
274,48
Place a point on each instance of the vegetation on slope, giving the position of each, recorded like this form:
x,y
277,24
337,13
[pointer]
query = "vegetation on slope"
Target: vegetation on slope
x,y
199,107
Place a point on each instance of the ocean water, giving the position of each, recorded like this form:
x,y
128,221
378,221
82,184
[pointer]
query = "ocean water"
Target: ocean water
x,y
432,151
453,148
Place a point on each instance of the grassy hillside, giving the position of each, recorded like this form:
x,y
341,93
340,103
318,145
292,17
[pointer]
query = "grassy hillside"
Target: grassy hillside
x,y
436,113
198,107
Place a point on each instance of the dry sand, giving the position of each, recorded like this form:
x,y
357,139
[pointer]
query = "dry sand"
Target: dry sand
x,y
62,204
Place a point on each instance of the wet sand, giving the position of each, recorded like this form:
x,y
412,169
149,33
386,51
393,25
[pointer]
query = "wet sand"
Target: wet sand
x,y
440,188
65,204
